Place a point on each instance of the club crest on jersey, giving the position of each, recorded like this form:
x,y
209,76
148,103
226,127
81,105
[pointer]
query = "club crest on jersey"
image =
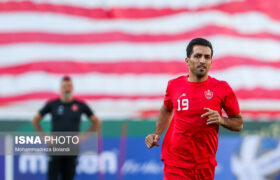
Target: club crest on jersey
x,y
208,94
74,107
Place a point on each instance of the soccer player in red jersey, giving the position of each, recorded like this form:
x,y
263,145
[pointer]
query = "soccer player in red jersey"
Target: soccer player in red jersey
x,y
193,110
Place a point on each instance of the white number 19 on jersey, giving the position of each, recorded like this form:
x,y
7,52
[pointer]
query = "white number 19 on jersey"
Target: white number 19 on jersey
x,y
184,103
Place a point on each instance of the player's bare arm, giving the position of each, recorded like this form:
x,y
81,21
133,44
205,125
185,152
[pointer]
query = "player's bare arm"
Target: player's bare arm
x,y
36,124
234,123
95,123
163,120
95,127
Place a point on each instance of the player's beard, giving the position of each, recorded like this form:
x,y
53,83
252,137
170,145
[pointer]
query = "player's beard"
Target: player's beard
x,y
67,95
198,73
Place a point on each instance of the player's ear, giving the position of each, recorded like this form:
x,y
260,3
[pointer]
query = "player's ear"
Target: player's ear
x,y
187,60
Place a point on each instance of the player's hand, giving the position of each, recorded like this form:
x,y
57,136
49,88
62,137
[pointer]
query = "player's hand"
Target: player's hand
x,y
83,138
152,140
213,117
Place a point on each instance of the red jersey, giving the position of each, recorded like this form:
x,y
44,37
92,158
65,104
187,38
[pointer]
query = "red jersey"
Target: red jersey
x,y
189,143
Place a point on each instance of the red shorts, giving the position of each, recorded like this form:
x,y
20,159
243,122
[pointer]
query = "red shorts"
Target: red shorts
x,y
175,173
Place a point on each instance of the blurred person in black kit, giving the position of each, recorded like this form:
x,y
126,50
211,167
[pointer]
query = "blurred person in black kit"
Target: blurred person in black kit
x,y
66,117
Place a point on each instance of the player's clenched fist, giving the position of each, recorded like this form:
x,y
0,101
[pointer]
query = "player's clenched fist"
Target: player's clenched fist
x,y
152,140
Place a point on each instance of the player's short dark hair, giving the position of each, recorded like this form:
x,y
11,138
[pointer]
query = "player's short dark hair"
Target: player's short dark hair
x,y
66,78
198,41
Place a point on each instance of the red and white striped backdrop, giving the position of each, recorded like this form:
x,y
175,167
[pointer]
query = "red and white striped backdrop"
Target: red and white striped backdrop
x,y
121,53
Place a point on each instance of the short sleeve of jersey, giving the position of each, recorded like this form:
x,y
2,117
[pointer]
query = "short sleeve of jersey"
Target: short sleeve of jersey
x,y
167,97
46,109
230,102
87,110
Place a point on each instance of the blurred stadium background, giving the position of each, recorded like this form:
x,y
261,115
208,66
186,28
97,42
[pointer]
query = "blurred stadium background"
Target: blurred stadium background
x,y
120,54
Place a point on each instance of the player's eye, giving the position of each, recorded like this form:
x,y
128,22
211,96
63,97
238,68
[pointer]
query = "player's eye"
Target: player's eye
x,y
207,57
197,55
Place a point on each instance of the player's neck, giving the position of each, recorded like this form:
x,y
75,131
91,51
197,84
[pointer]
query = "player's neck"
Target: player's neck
x,y
193,78
66,100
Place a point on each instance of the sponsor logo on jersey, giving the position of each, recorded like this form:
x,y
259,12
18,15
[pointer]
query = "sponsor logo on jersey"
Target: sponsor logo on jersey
x,y
60,110
208,94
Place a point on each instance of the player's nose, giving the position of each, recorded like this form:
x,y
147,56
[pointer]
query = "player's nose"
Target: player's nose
x,y
202,60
